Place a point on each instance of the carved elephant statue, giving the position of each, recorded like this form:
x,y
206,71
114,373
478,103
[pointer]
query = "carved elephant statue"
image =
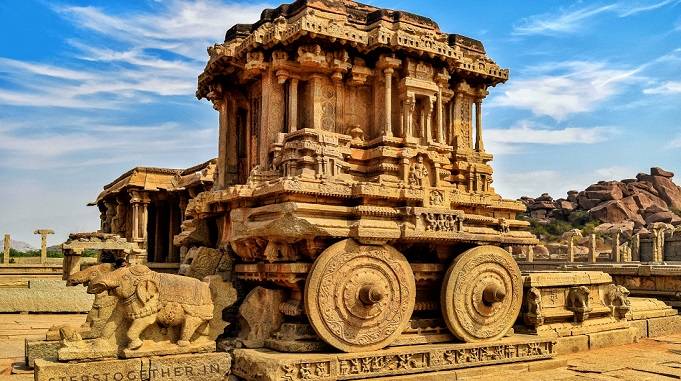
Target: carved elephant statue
x,y
103,305
147,297
578,302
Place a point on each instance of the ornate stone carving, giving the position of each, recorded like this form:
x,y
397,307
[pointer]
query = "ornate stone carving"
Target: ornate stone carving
x,y
533,316
418,173
617,298
359,297
481,294
578,302
146,297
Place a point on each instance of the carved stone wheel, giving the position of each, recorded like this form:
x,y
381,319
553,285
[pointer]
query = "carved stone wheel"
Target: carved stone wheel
x,y
359,297
481,294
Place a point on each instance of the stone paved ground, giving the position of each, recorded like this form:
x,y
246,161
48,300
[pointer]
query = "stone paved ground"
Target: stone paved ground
x,y
650,359
15,327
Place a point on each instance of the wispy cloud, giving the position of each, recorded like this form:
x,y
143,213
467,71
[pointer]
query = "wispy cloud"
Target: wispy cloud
x,y
182,27
564,88
564,22
573,20
674,143
667,88
527,132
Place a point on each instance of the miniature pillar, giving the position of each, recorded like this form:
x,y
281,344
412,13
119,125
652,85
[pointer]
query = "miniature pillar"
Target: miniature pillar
x,y
530,254
615,253
479,146
636,247
571,249
593,255
388,101
293,105
6,247
438,114
43,243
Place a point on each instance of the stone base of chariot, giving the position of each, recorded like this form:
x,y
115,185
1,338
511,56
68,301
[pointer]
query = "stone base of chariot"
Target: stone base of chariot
x,y
267,365
584,310
196,366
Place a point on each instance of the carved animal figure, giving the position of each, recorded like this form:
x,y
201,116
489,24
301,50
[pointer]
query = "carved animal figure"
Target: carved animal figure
x,y
617,299
147,297
103,305
578,302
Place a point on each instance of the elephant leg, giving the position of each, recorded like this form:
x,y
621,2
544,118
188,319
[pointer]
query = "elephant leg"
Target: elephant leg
x,y
188,328
106,335
136,329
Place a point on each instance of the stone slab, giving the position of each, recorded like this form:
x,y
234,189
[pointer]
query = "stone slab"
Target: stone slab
x,y
611,338
564,278
572,344
267,365
41,349
641,327
203,366
45,295
664,326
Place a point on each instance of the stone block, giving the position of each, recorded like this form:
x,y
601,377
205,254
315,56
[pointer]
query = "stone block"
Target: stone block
x,y
572,344
612,338
664,326
40,349
203,366
101,370
46,295
641,327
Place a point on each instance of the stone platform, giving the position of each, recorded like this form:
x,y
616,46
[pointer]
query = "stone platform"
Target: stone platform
x,y
44,295
266,365
200,366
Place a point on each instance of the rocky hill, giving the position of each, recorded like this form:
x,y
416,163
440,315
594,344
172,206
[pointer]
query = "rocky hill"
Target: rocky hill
x,y
630,205
21,246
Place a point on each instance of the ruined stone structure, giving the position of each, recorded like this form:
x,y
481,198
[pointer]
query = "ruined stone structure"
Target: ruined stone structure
x,y
146,207
352,175
352,217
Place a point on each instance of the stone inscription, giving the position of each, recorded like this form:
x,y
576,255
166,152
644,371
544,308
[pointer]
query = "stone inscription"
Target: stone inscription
x,y
404,362
154,373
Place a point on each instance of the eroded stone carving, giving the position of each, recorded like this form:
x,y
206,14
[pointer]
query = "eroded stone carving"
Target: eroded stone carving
x,y
146,297
578,302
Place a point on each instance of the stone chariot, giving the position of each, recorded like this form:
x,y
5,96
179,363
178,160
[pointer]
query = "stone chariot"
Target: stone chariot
x,y
352,177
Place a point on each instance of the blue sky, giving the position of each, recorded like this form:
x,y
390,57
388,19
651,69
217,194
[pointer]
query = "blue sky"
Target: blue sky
x,y
91,89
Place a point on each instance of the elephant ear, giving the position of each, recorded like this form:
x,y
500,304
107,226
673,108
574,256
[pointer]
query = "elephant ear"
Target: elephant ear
x,y
147,290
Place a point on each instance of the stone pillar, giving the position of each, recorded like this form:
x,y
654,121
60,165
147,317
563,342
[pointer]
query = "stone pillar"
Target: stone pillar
x,y
571,249
6,247
615,252
636,247
428,125
479,146
530,254
293,105
140,201
593,255
43,243
438,115
387,127
409,105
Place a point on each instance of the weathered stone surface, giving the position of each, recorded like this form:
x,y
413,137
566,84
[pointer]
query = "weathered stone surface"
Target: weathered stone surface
x,y
611,338
657,171
41,349
572,344
272,366
203,261
45,295
224,295
204,366
664,326
259,316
